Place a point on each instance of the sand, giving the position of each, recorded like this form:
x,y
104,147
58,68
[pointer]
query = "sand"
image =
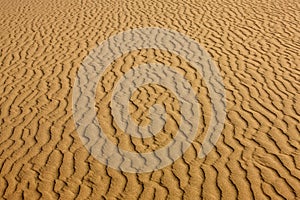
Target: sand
x,y
255,45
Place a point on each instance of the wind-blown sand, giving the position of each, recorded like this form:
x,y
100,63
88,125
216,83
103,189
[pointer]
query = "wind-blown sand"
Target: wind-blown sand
x,y
256,46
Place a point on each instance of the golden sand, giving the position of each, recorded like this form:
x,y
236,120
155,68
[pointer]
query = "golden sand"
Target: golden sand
x,y
256,46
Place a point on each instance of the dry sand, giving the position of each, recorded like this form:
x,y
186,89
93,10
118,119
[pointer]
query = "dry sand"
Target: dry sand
x,y
256,47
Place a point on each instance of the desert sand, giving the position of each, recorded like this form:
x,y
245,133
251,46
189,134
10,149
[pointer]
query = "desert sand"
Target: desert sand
x,y
255,45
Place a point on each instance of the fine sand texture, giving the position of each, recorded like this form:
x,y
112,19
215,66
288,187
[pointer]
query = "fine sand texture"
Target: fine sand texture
x,y
254,44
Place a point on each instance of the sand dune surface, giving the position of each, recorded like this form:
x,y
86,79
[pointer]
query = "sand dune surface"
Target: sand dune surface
x,y
254,44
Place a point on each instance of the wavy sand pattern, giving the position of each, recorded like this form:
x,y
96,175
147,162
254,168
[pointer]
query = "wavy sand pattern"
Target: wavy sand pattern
x,y
256,47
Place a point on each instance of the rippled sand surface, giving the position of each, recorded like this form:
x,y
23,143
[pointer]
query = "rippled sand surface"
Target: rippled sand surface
x,y
255,45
